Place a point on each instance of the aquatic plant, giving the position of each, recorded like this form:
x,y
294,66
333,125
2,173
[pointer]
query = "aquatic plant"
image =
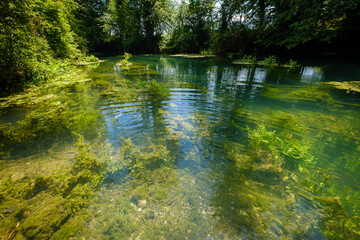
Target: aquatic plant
x,y
89,61
249,59
52,111
348,86
206,52
294,93
157,91
265,150
247,168
42,204
269,61
150,164
292,64
125,64
192,56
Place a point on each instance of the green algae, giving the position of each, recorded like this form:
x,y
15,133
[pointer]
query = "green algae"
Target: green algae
x,y
121,216
268,153
156,91
151,170
134,70
139,70
278,151
125,64
269,61
52,112
253,188
46,219
295,93
121,90
42,204
193,56
348,86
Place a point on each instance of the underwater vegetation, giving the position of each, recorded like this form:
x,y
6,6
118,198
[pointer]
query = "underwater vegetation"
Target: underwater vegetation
x,y
194,170
194,56
269,61
277,160
36,206
125,64
350,86
296,94
130,69
52,112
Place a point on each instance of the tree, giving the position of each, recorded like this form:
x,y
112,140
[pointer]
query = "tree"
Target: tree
x,y
194,26
33,35
136,26
88,25
306,21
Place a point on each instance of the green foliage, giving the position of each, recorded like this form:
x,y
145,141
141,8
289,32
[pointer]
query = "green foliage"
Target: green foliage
x,y
350,86
192,27
91,58
135,26
292,64
207,52
52,112
249,59
125,64
270,61
306,21
88,26
42,204
56,17
34,34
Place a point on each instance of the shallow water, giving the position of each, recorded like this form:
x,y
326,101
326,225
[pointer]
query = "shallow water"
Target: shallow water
x,y
204,149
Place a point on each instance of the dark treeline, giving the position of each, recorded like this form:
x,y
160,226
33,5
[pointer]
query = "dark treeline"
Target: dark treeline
x,y
229,26
38,38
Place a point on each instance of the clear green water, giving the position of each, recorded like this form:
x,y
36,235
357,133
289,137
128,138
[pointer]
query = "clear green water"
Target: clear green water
x,y
191,149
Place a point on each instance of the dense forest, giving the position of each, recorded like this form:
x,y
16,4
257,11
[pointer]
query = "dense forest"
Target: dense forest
x,y
40,39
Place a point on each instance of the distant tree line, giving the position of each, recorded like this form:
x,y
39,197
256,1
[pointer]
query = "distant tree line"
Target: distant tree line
x,y
38,36
230,25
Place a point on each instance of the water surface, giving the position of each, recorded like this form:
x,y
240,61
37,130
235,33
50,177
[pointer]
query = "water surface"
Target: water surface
x,y
204,149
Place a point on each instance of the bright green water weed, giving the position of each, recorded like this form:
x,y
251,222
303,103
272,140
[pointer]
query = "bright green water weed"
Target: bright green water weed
x,y
134,70
52,111
256,188
349,87
270,156
40,204
312,94
295,158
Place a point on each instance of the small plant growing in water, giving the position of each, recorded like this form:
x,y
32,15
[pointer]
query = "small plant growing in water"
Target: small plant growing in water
x,y
270,61
292,64
91,58
206,52
125,62
249,59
